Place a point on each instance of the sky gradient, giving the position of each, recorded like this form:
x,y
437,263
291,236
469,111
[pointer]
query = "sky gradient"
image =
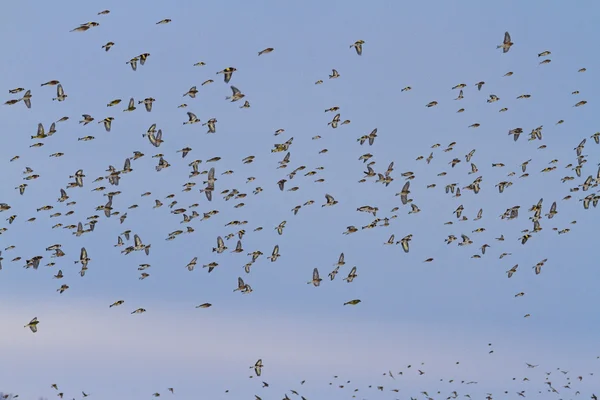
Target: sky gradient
x,y
412,312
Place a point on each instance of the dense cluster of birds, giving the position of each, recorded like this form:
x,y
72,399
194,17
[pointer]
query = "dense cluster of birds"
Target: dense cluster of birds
x,y
212,181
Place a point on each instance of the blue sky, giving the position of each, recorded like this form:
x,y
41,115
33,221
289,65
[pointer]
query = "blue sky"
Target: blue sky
x,y
411,312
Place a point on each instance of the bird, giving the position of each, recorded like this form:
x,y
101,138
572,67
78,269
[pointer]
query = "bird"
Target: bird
x,y
316,280
107,123
60,93
330,201
211,125
258,367
227,73
506,44
358,46
32,325
108,46
265,51
236,94
192,119
131,105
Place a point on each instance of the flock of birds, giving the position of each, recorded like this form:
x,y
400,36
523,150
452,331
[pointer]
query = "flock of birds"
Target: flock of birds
x,y
555,382
212,180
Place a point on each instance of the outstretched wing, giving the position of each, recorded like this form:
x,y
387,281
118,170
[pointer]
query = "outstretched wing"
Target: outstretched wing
x,y
359,49
27,99
404,244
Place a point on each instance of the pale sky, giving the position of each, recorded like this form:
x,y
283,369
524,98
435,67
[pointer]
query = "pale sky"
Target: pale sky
x,y
412,312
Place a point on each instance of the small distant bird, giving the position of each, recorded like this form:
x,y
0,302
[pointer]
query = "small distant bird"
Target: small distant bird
x,y
107,123
147,103
334,122
33,325
192,92
316,280
86,119
352,302
265,51
131,105
133,63
211,125
258,367
330,201
237,95
506,44
81,28
60,93
27,98
143,58
358,46
227,73
108,45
